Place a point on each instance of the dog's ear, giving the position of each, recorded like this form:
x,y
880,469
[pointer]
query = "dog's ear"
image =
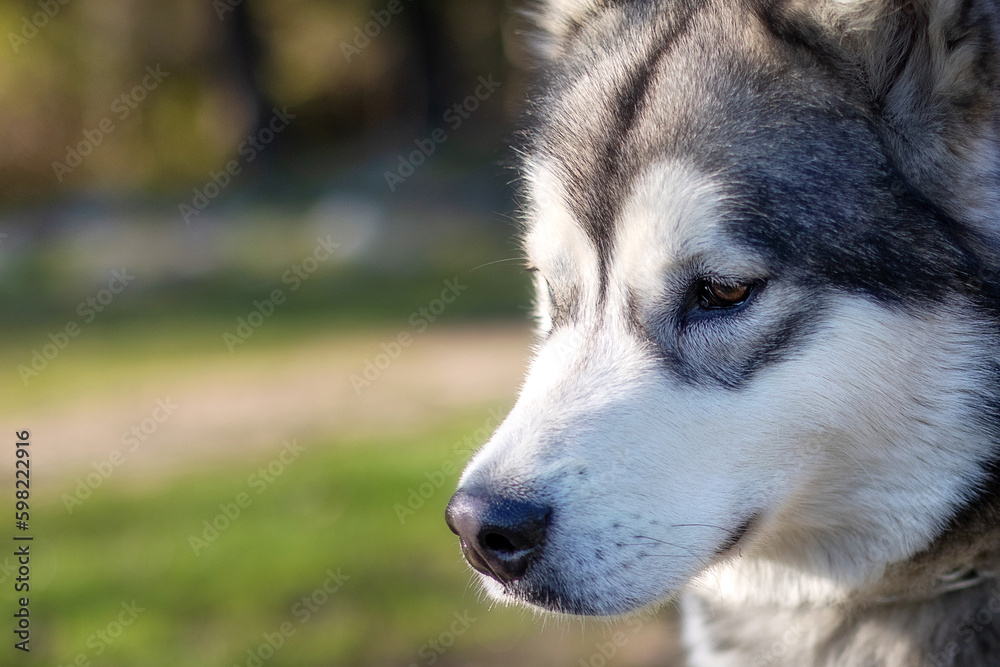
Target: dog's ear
x,y
931,69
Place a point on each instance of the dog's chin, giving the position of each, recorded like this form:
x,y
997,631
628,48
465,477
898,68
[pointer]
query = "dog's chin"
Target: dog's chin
x,y
556,598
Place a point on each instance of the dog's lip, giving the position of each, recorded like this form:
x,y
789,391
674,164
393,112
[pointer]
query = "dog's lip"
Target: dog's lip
x,y
738,534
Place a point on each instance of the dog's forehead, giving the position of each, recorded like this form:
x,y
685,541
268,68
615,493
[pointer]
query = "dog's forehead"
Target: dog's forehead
x,y
678,220
674,215
807,178
676,86
650,114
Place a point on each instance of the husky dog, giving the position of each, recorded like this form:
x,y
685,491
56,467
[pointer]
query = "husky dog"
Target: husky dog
x,y
766,241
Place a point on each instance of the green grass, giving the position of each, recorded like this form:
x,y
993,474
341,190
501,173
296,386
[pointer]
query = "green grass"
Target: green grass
x,y
331,509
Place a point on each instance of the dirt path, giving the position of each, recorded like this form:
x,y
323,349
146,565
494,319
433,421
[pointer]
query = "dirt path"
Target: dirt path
x,y
244,405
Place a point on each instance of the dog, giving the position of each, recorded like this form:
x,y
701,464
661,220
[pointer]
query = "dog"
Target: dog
x,y
764,237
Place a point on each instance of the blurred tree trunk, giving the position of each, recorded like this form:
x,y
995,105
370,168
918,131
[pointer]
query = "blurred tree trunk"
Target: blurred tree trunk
x,y
244,50
247,53
434,57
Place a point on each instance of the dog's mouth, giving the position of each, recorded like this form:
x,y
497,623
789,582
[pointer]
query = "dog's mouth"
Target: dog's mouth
x,y
563,592
554,599
736,536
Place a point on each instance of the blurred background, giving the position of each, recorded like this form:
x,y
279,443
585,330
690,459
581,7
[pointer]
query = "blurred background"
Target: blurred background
x,y
262,301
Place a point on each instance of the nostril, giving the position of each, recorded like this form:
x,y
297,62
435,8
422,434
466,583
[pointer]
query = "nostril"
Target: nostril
x,y
499,543
519,533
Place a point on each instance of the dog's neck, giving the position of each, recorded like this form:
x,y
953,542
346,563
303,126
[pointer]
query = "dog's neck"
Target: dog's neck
x,y
943,569
941,607
955,626
966,553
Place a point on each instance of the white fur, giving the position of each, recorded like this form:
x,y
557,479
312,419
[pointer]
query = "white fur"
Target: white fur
x,y
555,19
559,249
852,452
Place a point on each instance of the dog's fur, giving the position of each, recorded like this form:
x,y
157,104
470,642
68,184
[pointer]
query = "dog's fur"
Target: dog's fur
x,y
816,467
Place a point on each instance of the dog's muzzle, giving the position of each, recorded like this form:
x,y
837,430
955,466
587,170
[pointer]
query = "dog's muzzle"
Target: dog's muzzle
x,y
500,536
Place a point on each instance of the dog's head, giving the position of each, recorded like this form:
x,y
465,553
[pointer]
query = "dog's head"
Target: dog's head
x,y
760,234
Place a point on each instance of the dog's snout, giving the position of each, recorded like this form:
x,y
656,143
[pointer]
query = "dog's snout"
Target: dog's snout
x,y
500,536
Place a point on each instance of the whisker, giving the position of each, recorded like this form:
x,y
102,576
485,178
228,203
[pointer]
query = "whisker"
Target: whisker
x,y
687,550
664,556
498,261
698,525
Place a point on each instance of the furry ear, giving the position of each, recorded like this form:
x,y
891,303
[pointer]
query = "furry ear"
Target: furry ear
x,y
932,71
556,21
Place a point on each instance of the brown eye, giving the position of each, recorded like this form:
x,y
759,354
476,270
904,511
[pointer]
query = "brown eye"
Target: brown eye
x,y
715,294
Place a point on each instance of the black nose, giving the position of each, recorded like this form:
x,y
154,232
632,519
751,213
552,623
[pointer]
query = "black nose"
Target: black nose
x,y
500,536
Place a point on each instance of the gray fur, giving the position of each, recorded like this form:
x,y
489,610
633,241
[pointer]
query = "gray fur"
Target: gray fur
x,y
941,608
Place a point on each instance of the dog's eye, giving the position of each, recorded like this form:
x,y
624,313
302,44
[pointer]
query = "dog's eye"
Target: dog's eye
x,y
713,294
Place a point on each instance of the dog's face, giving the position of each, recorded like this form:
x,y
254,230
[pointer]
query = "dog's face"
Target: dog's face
x,y
757,334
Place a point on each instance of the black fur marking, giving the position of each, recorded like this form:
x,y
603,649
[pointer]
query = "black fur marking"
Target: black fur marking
x,y
830,218
593,191
805,40
729,349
